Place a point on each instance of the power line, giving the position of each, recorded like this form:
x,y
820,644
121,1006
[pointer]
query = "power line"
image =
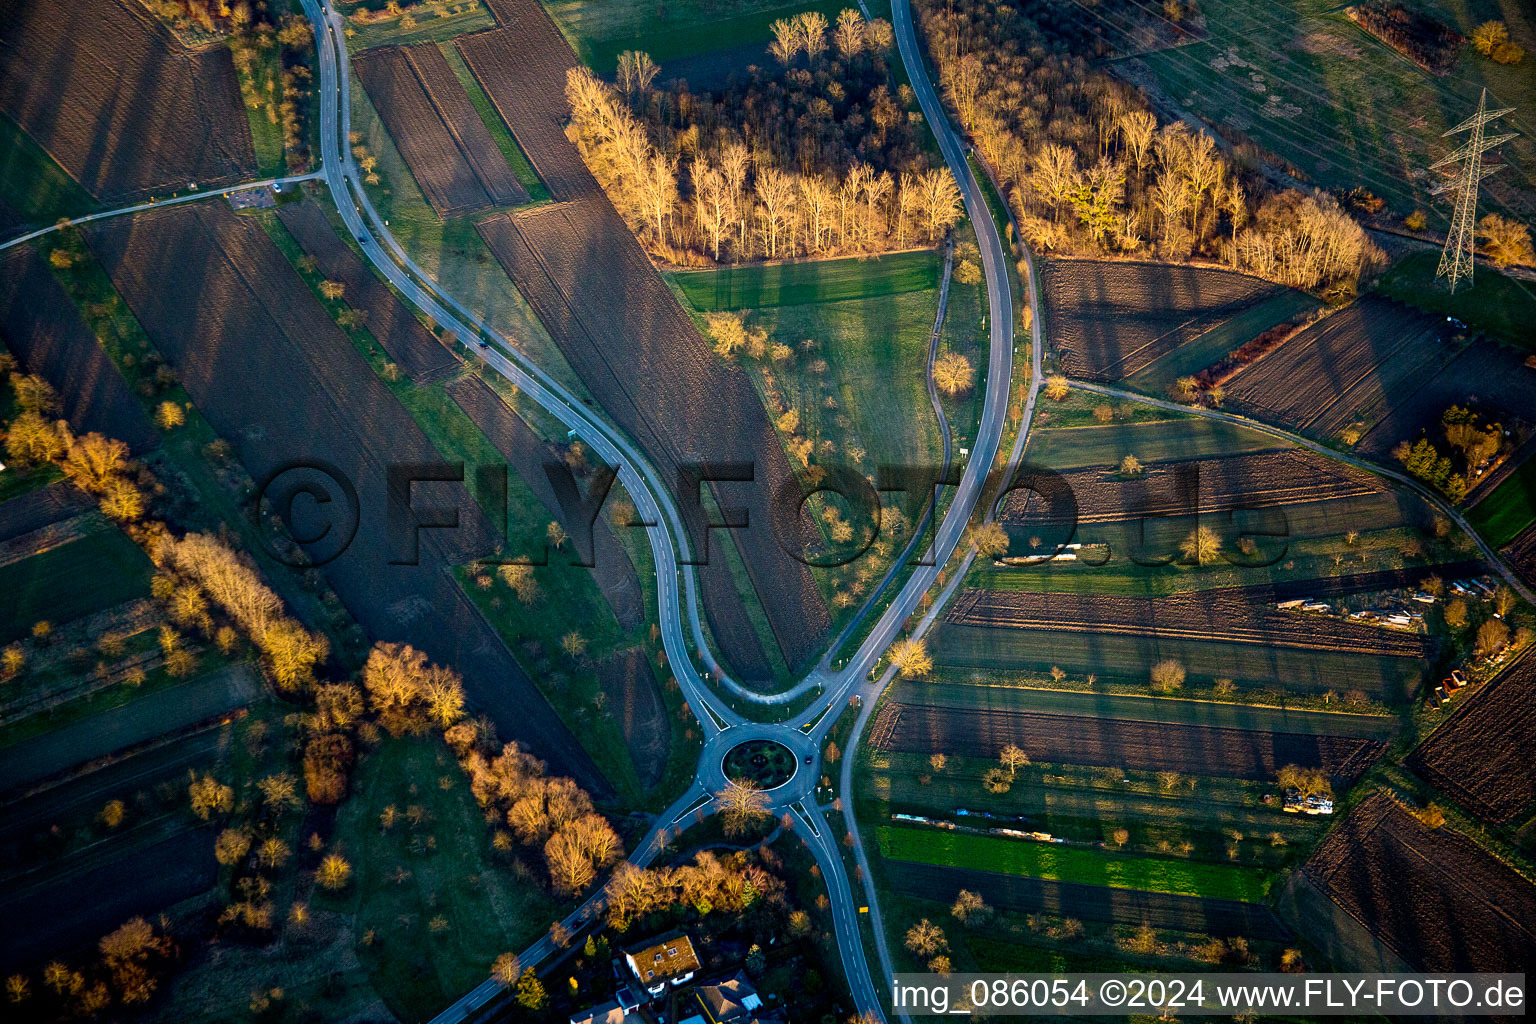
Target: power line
x,y
1456,260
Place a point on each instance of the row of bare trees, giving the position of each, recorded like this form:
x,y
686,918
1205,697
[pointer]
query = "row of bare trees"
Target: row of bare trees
x,y
1088,169
730,206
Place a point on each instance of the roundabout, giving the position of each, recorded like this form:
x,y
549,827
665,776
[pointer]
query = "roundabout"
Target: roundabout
x,y
766,764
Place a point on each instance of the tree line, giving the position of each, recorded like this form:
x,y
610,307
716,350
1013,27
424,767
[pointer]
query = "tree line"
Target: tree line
x,y
1088,169
795,161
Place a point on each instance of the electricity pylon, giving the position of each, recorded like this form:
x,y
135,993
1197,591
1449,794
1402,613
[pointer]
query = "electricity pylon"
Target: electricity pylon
x,y
1456,259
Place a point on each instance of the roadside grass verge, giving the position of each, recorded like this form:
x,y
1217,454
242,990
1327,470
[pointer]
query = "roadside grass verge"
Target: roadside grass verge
x,y
102,569
432,908
1500,306
33,184
1058,862
810,281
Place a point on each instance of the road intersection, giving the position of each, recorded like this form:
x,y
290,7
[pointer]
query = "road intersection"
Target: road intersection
x,y
722,726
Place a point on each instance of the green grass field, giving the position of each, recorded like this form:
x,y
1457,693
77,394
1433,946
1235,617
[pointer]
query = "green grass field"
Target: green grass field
x,y
1500,306
33,184
1504,514
1071,863
1141,708
442,870
793,284
1302,80
102,569
602,29
447,21
1157,441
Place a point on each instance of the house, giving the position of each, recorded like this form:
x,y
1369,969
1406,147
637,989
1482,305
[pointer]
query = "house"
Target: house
x,y
731,1000
669,959
611,1012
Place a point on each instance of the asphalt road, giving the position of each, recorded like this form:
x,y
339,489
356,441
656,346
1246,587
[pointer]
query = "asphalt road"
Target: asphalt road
x,y
723,727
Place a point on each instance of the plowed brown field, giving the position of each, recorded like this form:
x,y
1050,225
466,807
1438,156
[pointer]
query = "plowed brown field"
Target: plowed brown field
x,y
1116,742
1109,320
1354,365
409,344
43,329
1434,896
1522,554
118,102
1482,755
449,150
1221,614
276,377
1026,895
527,454
1256,480
621,329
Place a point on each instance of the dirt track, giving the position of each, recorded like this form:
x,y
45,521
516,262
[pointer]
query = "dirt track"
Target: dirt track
x,y
43,329
450,152
1025,895
1116,742
276,377
125,108
1433,896
1482,755
409,344
624,333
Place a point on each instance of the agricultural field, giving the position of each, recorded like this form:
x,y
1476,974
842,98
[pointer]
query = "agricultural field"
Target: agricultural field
x,y
1507,511
1501,306
450,151
810,281
34,189
1144,746
599,30
411,347
43,329
1431,895
1148,324
88,567
851,376
124,108
1064,863
569,261
1023,894
1229,614
243,314
1272,670
1382,373
1076,446
1480,755
370,22
1301,80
